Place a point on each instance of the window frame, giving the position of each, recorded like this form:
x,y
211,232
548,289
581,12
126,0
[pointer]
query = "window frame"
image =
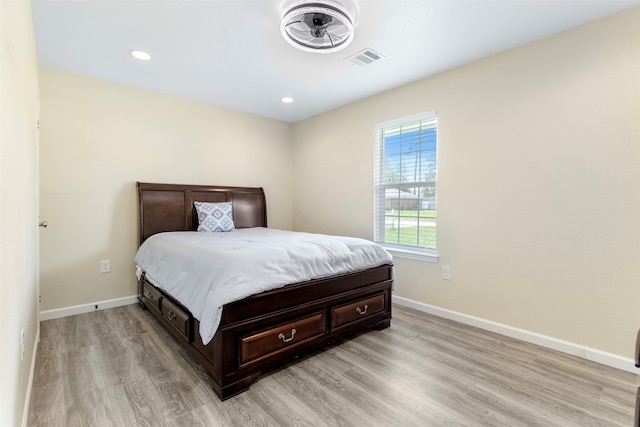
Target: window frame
x,y
380,187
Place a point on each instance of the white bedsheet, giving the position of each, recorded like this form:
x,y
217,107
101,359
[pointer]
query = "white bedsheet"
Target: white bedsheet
x,y
205,271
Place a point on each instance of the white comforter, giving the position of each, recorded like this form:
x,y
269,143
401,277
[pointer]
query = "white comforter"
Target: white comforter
x,y
205,271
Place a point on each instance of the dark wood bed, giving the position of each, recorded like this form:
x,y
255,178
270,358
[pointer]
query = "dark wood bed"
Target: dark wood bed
x,y
269,328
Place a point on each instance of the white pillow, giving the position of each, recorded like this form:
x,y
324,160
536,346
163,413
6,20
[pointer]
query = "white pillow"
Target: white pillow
x,y
215,216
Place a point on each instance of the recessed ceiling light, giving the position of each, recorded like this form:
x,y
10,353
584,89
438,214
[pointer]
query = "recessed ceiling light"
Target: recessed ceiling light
x,y
139,54
287,99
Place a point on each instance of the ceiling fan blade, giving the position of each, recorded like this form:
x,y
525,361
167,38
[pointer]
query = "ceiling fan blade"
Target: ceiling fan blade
x,y
335,24
330,39
298,27
294,22
335,36
297,32
338,28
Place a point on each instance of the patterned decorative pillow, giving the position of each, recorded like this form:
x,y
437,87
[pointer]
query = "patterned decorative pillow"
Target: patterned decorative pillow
x,y
215,216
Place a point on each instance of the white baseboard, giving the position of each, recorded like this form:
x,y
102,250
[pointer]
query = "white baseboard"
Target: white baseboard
x,y
591,354
25,411
86,308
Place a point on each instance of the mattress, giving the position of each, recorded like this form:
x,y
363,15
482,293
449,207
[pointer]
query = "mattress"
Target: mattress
x,y
205,271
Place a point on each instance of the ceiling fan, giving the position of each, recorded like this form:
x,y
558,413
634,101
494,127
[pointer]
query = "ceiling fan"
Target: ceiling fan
x,y
319,26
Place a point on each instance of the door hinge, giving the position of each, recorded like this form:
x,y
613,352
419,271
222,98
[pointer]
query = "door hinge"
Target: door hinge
x,y
38,124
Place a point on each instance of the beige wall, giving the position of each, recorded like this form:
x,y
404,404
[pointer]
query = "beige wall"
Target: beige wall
x,y
99,138
18,206
539,168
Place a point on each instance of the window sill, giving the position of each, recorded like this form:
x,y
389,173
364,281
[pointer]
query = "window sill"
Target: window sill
x,y
415,255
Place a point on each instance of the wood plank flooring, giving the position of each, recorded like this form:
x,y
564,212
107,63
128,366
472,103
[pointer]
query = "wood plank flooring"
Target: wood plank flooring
x,y
118,367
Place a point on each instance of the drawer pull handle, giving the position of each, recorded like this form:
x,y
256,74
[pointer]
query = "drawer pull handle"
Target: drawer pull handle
x,y
172,315
150,296
361,311
284,339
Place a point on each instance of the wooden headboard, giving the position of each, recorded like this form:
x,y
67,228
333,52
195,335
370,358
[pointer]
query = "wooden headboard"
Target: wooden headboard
x,y
169,207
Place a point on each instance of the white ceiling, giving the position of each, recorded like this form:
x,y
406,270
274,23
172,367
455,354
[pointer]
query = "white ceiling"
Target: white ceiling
x,y
230,53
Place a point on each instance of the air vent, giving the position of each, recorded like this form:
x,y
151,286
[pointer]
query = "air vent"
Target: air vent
x,y
364,57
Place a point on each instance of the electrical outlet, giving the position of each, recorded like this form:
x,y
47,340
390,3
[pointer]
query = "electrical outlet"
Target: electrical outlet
x,y
446,272
105,266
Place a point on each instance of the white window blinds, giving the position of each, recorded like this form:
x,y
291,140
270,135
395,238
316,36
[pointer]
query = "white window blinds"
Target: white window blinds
x,y
405,183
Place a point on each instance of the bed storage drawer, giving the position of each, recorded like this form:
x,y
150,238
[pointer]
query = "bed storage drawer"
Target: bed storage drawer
x,y
178,318
152,296
345,314
278,339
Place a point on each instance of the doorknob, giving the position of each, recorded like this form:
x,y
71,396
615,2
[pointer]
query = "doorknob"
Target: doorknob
x,y
43,224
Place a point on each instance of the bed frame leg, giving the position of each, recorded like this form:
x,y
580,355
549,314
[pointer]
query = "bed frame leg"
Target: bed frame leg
x,y
234,389
383,324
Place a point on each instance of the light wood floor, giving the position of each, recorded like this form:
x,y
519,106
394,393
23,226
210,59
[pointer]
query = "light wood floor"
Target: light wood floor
x,y
117,367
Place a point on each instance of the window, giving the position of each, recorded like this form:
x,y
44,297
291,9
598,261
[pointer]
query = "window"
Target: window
x,y
405,185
